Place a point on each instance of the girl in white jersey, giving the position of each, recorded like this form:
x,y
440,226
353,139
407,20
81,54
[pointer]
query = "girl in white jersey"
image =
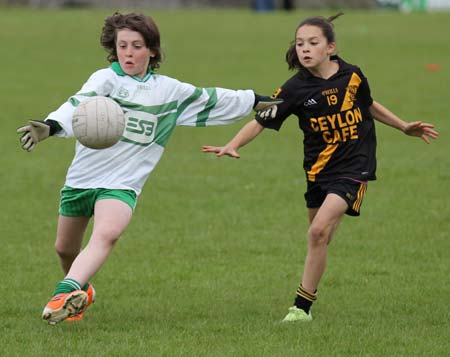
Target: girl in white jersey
x,y
107,182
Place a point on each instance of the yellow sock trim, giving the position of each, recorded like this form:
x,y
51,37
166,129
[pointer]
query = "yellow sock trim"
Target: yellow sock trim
x,y
306,294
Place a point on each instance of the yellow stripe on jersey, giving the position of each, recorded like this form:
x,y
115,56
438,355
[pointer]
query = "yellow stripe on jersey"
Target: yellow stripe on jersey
x,y
352,88
357,204
322,160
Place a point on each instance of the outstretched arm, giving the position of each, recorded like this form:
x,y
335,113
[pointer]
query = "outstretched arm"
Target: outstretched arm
x,y
415,128
248,132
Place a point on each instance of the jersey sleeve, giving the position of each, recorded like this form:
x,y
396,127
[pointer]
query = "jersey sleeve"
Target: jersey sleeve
x,y
211,106
284,110
99,84
363,95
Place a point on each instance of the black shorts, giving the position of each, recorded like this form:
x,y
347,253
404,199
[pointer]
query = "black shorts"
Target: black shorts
x,y
350,190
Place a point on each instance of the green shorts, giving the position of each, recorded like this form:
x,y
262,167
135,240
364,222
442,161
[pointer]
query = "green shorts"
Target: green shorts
x,y
78,202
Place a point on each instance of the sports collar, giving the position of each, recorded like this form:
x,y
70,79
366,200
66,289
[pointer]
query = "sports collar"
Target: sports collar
x,y
307,74
115,66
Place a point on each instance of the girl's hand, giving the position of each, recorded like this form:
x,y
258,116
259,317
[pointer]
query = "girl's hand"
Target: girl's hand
x,y
421,130
221,151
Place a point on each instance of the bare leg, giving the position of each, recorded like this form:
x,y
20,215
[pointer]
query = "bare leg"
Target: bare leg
x,y
110,220
324,222
69,239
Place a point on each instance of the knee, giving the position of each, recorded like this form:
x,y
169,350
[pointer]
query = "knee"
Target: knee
x,y
318,236
65,252
112,238
108,236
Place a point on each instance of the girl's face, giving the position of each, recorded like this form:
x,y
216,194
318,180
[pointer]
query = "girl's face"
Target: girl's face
x,y
312,47
134,56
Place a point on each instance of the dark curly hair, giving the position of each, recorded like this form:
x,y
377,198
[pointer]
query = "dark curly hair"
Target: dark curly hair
x,y
327,28
135,22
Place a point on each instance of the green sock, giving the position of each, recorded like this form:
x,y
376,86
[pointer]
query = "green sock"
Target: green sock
x,y
85,287
66,286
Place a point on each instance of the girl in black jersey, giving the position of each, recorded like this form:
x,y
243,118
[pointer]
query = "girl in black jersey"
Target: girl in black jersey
x,y
336,113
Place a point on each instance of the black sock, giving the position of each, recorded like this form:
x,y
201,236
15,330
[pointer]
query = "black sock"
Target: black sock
x,y
304,299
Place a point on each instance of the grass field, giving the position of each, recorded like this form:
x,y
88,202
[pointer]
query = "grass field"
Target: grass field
x,y
212,258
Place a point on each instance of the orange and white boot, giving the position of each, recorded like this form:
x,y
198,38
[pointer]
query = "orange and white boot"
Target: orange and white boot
x,y
91,298
64,305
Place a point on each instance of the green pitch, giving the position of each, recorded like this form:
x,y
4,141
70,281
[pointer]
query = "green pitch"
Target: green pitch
x,y
212,258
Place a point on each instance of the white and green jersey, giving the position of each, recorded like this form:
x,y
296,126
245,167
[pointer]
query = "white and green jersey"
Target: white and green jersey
x,y
153,107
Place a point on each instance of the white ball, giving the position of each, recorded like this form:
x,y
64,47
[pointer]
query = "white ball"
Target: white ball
x,y
98,122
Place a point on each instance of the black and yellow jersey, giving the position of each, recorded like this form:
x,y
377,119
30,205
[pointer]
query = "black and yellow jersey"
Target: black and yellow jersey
x,y
339,131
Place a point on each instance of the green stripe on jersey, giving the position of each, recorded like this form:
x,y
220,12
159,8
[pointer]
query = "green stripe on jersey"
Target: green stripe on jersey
x,y
168,114
194,96
166,125
203,116
75,102
152,109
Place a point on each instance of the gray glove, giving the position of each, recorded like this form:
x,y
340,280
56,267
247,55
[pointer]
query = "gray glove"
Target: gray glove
x,y
263,102
268,113
34,132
